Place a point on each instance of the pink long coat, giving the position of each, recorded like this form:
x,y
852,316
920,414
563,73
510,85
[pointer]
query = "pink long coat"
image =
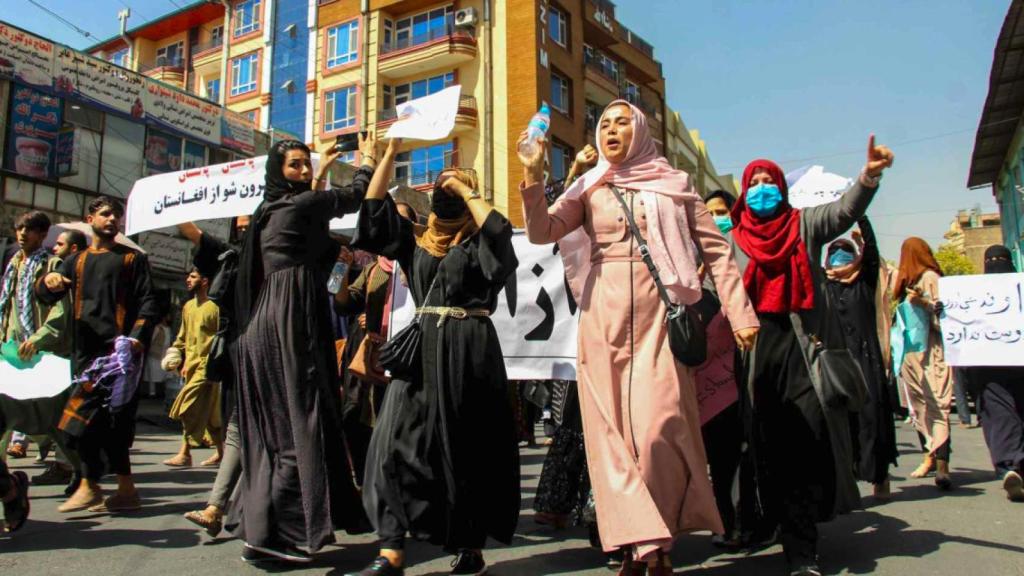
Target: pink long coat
x,y
640,418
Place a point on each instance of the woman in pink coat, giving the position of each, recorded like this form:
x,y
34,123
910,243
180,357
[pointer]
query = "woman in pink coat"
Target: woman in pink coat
x,y
640,419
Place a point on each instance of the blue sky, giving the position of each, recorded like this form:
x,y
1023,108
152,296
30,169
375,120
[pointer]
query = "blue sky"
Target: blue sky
x,y
797,81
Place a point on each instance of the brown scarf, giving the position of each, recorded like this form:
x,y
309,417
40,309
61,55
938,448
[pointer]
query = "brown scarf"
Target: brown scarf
x,y
439,236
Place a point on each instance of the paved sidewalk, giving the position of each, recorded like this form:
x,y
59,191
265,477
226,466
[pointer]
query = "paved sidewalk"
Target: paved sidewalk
x,y
973,530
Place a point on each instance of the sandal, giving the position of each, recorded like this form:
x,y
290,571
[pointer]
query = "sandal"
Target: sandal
x,y
212,527
175,463
926,467
16,511
17,451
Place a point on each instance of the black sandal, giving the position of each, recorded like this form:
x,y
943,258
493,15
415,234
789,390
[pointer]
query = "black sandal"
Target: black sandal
x,y
16,511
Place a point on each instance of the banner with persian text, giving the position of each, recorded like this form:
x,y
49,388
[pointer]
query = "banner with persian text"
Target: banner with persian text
x,y
99,82
25,57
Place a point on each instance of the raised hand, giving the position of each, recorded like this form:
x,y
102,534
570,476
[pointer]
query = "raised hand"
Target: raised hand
x,y
879,158
533,168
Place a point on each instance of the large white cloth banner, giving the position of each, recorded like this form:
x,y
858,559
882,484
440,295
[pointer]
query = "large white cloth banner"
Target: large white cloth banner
x,y
812,186
983,319
536,319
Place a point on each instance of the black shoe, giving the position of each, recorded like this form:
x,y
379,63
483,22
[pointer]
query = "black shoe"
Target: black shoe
x,y
252,556
283,553
805,570
614,560
55,475
379,567
16,511
469,562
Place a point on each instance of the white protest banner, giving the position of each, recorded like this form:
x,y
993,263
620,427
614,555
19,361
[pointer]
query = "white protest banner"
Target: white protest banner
x,y
812,186
427,118
25,57
219,191
98,81
983,319
48,378
181,112
536,319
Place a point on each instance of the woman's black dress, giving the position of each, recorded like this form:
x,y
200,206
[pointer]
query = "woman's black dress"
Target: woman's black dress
x,y
296,486
443,463
873,428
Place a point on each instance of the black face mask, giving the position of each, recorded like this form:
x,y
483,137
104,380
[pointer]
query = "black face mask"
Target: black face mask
x,y
446,206
998,260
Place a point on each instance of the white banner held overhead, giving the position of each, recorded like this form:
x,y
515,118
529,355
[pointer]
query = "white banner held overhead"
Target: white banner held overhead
x,y
427,118
983,319
813,187
536,319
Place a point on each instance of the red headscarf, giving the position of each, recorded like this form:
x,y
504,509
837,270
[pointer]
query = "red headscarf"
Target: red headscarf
x,y
778,278
916,258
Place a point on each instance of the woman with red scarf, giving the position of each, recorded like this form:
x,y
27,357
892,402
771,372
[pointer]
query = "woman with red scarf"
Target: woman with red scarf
x,y
799,426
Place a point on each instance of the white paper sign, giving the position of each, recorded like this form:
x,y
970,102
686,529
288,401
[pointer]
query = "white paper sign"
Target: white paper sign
x,y
25,57
48,378
99,81
536,321
814,187
983,319
428,118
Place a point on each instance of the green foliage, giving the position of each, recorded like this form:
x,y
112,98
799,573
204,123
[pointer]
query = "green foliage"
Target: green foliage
x,y
952,262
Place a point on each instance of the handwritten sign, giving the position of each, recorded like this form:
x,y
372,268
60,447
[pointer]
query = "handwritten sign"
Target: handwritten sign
x,y
983,319
536,319
100,82
25,57
427,118
716,378
181,112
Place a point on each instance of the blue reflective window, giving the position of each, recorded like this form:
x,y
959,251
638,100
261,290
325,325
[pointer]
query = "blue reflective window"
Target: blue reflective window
x,y
340,109
247,17
243,74
343,44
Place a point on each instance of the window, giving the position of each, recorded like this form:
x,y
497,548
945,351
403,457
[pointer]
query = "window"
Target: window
x,y
558,27
243,73
389,32
348,157
340,109
213,89
593,115
216,36
343,44
560,93
119,58
420,88
422,28
422,165
170,55
253,115
561,160
632,93
601,61
247,17
123,143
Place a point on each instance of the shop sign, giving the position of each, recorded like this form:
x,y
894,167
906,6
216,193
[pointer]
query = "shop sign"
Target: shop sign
x,y
237,132
99,82
25,57
34,123
182,113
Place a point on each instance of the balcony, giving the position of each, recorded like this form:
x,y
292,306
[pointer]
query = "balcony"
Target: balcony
x,y
206,53
440,48
169,70
627,36
603,77
465,119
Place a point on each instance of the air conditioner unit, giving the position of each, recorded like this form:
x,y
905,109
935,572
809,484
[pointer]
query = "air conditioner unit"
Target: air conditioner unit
x,y
465,18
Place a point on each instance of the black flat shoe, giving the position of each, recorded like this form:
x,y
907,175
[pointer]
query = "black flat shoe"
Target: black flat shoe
x,y
16,511
282,554
379,567
805,570
468,562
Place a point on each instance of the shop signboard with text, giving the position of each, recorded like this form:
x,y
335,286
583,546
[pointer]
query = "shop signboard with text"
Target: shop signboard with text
x,y
25,57
182,113
33,126
99,82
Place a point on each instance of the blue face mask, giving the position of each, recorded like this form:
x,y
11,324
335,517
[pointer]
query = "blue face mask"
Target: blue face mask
x,y
841,258
764,199
724,223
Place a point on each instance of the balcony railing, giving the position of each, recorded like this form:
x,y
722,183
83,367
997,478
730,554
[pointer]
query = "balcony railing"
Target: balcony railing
x,y
605,70
431,35
635,41
212,44
162,62
604,5
465,103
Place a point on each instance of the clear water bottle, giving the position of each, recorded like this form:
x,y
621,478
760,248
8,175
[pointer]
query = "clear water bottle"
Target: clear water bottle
x,y
337,277
534,132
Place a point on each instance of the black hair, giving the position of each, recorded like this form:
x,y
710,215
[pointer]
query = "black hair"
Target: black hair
x,y
76,238
34,221
725,196
101,202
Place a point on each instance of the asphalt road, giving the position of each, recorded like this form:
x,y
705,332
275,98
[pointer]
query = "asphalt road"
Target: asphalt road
x,y
972,530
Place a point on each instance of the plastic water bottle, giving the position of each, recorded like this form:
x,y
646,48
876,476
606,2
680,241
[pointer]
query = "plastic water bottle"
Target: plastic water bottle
x,y
534,132
337,276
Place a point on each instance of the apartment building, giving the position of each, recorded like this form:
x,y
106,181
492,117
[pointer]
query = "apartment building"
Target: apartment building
x,y
318,69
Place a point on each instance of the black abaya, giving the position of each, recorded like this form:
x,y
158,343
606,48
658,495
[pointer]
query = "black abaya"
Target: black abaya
x,y
296,485
443,462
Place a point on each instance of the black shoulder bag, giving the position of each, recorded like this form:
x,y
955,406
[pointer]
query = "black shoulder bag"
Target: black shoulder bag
x,y
401,354
687,335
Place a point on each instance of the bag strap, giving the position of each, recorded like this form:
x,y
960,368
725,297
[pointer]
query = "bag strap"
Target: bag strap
x,y
645,251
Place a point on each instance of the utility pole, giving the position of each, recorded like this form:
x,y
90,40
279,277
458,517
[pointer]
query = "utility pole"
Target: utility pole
x,y
123,16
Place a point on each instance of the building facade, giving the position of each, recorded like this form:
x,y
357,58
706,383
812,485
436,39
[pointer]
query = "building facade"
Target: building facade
x,y
318,69
971,233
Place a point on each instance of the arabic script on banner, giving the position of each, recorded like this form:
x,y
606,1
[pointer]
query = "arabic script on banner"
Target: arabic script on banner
x,y
983,319
25,57
95,80
179,111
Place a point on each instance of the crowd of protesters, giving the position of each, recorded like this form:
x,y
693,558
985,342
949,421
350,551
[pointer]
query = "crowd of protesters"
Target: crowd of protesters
x,y
418,435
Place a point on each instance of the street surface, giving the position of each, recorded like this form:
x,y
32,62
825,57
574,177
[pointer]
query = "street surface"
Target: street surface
x,y
971,531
